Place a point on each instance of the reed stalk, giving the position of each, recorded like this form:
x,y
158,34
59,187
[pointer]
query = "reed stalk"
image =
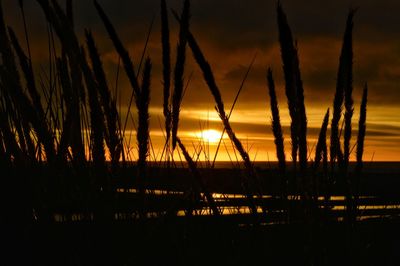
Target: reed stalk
x,y
347,83
295,96
321,144
166,59
66,88
288,54
11,81
302,119
276,127
21,6
179,70
97,124
321,154
25,64
362,128
233,106
65,31
348,98
123,53
108,104
10,143
360,142
344,77
130,71
70,46
143,127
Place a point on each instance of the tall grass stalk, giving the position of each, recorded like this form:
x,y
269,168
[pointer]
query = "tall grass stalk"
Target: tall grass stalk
x,y
70,46
25,64
233,106
344,78
179,70
97,123
123,53
11,81
108,103
143,127
66,92
302,118
295,96
321,147
21,6
129,114
130,71
360,141
289,53
348,98
12,149
166,59
276,127
362,128
321,153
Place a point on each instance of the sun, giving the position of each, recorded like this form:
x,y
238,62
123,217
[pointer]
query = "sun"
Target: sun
x,y
210,135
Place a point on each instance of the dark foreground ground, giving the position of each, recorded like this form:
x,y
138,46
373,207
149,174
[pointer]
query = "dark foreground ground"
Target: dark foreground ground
x,y
196,240
182,241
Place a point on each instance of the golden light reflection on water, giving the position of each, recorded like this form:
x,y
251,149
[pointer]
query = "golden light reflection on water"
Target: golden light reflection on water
x,y
338,205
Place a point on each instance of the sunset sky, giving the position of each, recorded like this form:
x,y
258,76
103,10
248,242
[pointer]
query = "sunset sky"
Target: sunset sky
x,y
231,33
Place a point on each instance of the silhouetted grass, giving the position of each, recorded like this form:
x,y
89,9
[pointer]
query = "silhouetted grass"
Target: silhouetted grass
x,y
233,106
166,59
67,97
97,123
27,126
28,73
360,150
321,148
141,95
348,99
143,127
276,126
295,95
108,104
343,79
123,53
362,128
70,46
321,153
179,70
12,149
289,53
11,81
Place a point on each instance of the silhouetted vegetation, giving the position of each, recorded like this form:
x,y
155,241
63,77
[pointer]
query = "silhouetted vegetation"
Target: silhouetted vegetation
x,y
63,142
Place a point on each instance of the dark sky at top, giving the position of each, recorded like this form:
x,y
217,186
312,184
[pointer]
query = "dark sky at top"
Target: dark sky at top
x,y
238,28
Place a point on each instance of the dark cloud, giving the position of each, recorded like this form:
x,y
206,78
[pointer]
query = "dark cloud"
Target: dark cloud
x,y
226,29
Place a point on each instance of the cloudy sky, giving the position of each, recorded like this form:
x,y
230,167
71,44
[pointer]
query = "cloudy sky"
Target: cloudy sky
x,y
231,33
